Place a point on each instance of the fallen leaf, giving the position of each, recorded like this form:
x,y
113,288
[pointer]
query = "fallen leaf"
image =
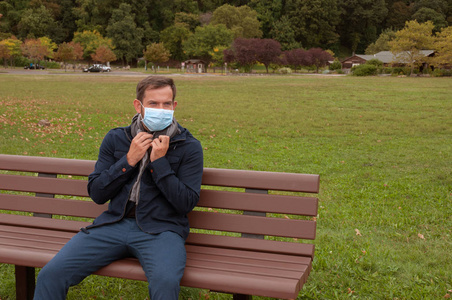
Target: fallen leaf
x,y
447,296
358,232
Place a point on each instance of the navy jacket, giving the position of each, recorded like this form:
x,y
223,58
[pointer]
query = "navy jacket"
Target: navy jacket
x,y
170,186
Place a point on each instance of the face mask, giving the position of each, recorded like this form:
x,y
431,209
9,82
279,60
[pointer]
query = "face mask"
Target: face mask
x,y
157,119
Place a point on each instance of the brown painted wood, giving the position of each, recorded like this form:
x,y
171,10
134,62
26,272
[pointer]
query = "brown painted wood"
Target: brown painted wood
x,y
25,282
54,206
253,225
262,180
34,184
215,261
279,204
49,165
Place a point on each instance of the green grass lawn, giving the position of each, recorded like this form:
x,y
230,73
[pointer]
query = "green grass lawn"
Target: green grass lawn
x,y
382,145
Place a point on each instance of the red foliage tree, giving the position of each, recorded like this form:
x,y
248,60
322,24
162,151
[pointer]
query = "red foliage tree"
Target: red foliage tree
x,y
319,57
244,53
298,58
267,51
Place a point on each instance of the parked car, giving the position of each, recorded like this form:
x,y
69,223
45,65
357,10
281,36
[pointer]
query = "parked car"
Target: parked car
x,y
97,68
34,66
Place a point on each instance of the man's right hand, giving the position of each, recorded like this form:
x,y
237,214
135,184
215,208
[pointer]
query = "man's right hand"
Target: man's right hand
x,y
140,144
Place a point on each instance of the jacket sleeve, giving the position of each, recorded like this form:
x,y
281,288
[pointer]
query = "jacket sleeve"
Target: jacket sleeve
x,y
181,191
111,172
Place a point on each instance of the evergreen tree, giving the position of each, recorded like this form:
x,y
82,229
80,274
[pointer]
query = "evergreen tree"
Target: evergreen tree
x,y
125,34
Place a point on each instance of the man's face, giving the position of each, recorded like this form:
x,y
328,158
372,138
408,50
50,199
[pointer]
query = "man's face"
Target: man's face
x,y
161,98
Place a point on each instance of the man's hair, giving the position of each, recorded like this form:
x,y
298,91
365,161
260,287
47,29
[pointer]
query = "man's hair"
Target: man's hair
x,y
154,82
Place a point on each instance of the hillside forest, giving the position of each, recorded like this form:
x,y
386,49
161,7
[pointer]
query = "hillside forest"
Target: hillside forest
x,y
183,29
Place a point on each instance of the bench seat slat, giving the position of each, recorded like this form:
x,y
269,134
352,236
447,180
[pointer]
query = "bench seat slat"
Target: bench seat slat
x,y
224,281
261,180
253,224
45,185
54,206
295,205
218,280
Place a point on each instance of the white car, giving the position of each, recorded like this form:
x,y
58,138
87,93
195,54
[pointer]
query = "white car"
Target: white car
x,y
97,68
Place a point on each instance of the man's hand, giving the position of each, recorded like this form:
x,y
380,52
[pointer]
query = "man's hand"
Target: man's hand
x,y
140,144
160,146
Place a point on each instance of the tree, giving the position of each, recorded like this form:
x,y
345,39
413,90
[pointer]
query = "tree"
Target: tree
x,y
398,14
205,39
51,46
14,48
173,38
156,53
268,13
34,49
125,34
283,32
360,22
409,42
90,41
191,20
218,57
382,43
427,14
4,53
443,46
267,51
103,55
298,58
244,53
314,22
319,57
36,22
69,52
241,20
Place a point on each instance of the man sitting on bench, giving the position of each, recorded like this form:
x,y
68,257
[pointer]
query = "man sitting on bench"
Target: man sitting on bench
x,y
151,173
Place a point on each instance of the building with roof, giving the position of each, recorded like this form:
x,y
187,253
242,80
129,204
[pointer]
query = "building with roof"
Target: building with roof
x,y
195,66
386,57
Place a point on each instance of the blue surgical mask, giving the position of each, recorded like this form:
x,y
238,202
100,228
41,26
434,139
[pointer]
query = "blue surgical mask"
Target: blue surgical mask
x,y
156,119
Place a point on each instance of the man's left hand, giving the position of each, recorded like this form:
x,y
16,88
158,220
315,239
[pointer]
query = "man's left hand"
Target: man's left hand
x,y
159,146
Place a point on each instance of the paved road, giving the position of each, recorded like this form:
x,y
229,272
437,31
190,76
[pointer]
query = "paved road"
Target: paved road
x,y
69,72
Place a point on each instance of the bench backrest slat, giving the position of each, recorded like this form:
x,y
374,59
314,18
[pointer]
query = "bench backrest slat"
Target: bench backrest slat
x,y
218,212
53,206
51,165
278,204
261,180
44,185
302,229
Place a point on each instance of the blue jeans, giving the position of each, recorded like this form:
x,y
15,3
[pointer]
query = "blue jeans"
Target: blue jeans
x,y
162,257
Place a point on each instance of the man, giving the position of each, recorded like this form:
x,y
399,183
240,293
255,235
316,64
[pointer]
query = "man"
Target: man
x,y
151,173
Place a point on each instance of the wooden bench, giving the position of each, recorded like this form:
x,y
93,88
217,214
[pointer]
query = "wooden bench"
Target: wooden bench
x,y
245,238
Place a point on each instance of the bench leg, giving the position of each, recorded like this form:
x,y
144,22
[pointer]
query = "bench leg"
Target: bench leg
x,y
25,283
242,297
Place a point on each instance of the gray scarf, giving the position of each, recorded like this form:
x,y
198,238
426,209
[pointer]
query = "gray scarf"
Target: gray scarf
x,y
137,127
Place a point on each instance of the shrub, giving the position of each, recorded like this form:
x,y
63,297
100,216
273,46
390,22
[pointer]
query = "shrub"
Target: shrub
x,y
51,64
285,71
375,62
401,71
442,72
364,70
336,65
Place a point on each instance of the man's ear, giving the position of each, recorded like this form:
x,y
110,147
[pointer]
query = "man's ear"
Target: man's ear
x,y
137,105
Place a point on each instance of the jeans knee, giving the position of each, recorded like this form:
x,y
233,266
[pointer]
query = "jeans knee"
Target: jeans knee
x,y
164,287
